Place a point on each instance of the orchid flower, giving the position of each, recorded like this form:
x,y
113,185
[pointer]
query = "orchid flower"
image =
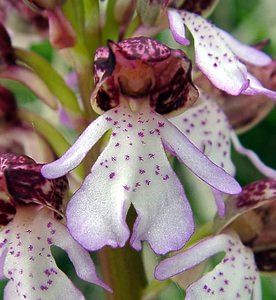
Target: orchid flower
x,y
219,55
207,127
137,80
30,210
236,276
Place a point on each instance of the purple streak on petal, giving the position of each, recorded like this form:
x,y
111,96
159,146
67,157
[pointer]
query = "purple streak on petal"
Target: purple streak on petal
x,y
75,154
214,57
255,88
197,162
177,27
246,53
219,202
267,171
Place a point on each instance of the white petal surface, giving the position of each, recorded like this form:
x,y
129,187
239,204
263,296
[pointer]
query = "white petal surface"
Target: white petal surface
x,y
235,277
244,52
214,57
198,163
29,263
207,127
75,154
133,167
177,27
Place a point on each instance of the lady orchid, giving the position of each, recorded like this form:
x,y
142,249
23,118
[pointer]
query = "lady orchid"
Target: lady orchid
x,y
30,213
250,222
137,81
219,55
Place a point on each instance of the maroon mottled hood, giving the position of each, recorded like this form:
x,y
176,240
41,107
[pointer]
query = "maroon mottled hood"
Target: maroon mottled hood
x,y
143,68
22,183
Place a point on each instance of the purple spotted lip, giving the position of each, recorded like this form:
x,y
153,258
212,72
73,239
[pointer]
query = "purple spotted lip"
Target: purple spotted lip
x,y
137,80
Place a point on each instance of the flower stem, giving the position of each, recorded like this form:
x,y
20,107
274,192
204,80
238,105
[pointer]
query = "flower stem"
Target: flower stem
x,y
122,270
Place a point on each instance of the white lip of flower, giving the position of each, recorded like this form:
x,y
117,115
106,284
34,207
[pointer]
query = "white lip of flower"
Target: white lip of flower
x,y
25,254
219,55
235,277
207,127
133,168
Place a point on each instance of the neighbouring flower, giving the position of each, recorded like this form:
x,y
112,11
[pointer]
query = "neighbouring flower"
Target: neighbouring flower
x,y
219,55
137,81
250,222
243,111
207,126
30,212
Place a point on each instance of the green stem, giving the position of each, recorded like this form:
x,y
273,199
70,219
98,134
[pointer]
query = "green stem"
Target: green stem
x,y
122,270
111,27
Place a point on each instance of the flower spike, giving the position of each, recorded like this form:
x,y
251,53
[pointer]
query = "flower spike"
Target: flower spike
x,y
133,168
